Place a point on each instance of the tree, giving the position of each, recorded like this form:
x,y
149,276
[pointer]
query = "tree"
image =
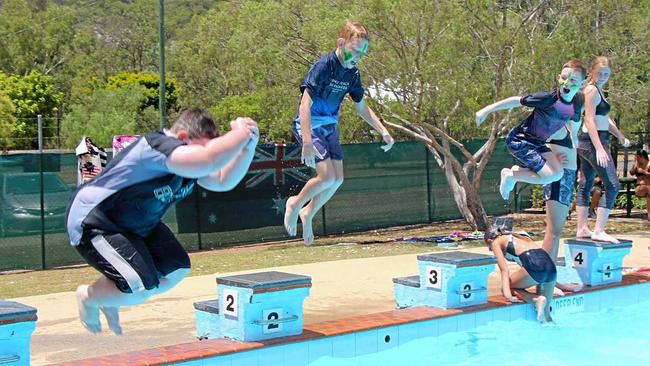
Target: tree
x,y
31,95
435,72
151,84
7,120
107,112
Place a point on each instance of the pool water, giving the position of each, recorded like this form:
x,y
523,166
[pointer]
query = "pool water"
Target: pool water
x,y
616,336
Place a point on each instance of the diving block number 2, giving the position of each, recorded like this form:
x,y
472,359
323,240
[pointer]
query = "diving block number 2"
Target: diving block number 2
x,y
230,304
434,278
268,324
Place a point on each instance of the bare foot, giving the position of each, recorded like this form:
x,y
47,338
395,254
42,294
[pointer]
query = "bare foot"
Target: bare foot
x,y
506,184
291,216
569,287
88,315
583,233
113,318
603,236
540,303
307,231
558,292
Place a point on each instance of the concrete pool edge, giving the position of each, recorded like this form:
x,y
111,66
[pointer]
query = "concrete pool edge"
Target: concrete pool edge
x,y
350,336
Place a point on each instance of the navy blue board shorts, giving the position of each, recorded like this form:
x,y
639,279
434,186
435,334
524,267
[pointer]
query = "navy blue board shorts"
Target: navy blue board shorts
x,y
132,262
561,190
526,153
539,265
325,139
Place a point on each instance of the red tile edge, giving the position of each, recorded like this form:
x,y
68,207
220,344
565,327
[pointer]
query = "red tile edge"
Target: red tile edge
x,y
215,347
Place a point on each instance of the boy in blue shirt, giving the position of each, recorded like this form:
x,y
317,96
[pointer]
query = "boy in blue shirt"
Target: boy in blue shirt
x,y
323,90
553,110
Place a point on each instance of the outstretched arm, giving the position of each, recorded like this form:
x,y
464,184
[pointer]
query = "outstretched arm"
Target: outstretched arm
x,y
507,103
371,118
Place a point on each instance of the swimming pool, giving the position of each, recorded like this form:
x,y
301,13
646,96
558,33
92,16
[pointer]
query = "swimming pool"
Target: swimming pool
x,y
614,336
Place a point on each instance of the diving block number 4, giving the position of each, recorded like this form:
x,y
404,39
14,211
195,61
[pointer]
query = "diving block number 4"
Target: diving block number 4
x,y
579,258
269,316
230,304
434,277
607,271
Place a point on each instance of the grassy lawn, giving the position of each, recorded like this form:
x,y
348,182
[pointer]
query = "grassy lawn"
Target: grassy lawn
x,y
376,243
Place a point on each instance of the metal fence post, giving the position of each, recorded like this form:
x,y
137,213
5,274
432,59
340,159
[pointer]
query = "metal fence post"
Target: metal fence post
x,y
42,193
198,217
428,172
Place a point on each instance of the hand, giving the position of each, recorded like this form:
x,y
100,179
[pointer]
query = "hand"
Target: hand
x,y
602,158
388,139
245,123
480,117
626,143
309,153
513,299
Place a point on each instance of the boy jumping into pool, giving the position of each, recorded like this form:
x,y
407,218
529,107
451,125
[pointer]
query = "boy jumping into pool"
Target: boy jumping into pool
x,y
316,124
114,221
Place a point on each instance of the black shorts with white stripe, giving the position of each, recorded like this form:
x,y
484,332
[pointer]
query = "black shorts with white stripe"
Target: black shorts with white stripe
x,y
132,262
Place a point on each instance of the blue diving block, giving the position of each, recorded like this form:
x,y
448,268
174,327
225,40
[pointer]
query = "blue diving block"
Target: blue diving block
x,y
254,307
17,323
595,262
446,280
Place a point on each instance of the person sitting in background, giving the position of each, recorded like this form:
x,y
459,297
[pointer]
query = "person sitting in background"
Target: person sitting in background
x,y
640,170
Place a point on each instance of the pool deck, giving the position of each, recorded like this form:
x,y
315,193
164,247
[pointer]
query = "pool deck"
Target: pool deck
x,y
341,289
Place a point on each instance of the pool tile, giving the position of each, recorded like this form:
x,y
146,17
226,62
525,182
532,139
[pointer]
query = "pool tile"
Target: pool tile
x,y
501,314
245,359
466,322
407,332
224,360
295,354
429,328
365,342
344,346
447,325
320,348
517,312
387,338
484,317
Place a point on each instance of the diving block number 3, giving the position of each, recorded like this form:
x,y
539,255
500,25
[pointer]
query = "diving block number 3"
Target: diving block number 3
x,y
579,258
434,278
230,304
466,291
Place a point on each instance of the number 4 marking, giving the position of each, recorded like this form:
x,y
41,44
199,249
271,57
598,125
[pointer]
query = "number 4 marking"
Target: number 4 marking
x,y
580,258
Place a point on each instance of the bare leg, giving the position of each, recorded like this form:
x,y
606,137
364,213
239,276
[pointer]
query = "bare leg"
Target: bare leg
x,y
324,178
599,234
550,172
583,226
538,301
308,212
104,295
